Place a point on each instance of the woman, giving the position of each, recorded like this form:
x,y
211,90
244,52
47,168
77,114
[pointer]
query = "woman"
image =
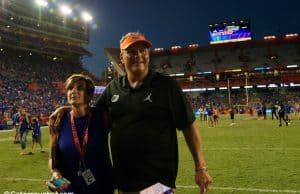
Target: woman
x,y
79,147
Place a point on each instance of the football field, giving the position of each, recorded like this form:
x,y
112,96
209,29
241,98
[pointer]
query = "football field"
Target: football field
x,y
253,156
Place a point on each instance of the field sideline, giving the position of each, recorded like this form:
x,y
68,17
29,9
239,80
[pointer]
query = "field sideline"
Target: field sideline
x,y
253,156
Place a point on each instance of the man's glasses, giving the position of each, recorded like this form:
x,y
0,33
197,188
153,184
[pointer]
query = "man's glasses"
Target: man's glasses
x,y
134,52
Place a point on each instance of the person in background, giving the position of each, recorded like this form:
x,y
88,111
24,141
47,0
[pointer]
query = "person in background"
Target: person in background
x,y
258,108
251,111
264,111
274,111
281,114
36,135
210,120
79,146
231,112
24,129
16,119
215,116
287,113
201,113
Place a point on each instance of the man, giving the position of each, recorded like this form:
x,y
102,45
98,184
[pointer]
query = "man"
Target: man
x,y
145,108
264,111
274,109
210,113
281,114
15,118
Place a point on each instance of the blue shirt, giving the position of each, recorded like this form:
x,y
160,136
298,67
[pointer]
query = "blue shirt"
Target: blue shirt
x,y
24,125
36,129
15,118
209,111
96,157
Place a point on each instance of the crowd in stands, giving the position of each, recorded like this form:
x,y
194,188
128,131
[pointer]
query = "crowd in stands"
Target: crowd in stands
x,y
35,85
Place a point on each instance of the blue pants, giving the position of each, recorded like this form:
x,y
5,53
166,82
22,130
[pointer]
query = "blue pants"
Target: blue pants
x,y
23,135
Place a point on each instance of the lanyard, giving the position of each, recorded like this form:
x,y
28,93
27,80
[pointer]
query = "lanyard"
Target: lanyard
x,y
81,149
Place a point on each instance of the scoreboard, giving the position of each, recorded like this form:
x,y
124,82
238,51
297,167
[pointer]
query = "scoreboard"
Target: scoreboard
x,y
229,32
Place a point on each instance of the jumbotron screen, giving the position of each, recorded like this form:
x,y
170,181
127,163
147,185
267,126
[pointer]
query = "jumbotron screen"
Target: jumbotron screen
x,y
229,32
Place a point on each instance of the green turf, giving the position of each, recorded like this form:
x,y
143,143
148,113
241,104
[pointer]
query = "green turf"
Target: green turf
x,y
253,154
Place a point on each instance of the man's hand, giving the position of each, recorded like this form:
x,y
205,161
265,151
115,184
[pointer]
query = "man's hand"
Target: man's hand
x,y
55,118
203,179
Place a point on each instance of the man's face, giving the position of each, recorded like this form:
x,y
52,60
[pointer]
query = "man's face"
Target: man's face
x,y
135,59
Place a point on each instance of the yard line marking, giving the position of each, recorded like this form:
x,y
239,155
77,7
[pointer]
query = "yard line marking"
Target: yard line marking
x,y
188,187
23,179
6,139
252,148
242,189
13,129
7,130
212,149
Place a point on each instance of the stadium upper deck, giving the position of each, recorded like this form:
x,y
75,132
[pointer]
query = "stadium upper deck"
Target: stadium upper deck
x,y
264,62
23,26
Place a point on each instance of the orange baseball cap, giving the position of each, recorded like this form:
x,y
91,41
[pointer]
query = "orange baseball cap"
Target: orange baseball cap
x,y
134,38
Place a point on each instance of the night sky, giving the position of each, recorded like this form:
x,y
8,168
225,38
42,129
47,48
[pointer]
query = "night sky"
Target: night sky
x,y
182,22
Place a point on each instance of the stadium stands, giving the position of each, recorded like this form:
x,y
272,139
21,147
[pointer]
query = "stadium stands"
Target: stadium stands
x,y
269,69
39,49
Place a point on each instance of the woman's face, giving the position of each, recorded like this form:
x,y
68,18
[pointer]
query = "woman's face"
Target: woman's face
x,y
76,93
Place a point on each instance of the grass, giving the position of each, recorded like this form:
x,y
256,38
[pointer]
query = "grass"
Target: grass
x,y
253,156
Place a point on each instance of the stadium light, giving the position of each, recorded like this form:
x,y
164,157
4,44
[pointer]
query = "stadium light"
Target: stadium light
x,y
292,66
65,10
41,3
272,86
193,45
269,37
86,17
175,47
204,72
158,49
186,90
261,86
291,35
293,84
197,89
